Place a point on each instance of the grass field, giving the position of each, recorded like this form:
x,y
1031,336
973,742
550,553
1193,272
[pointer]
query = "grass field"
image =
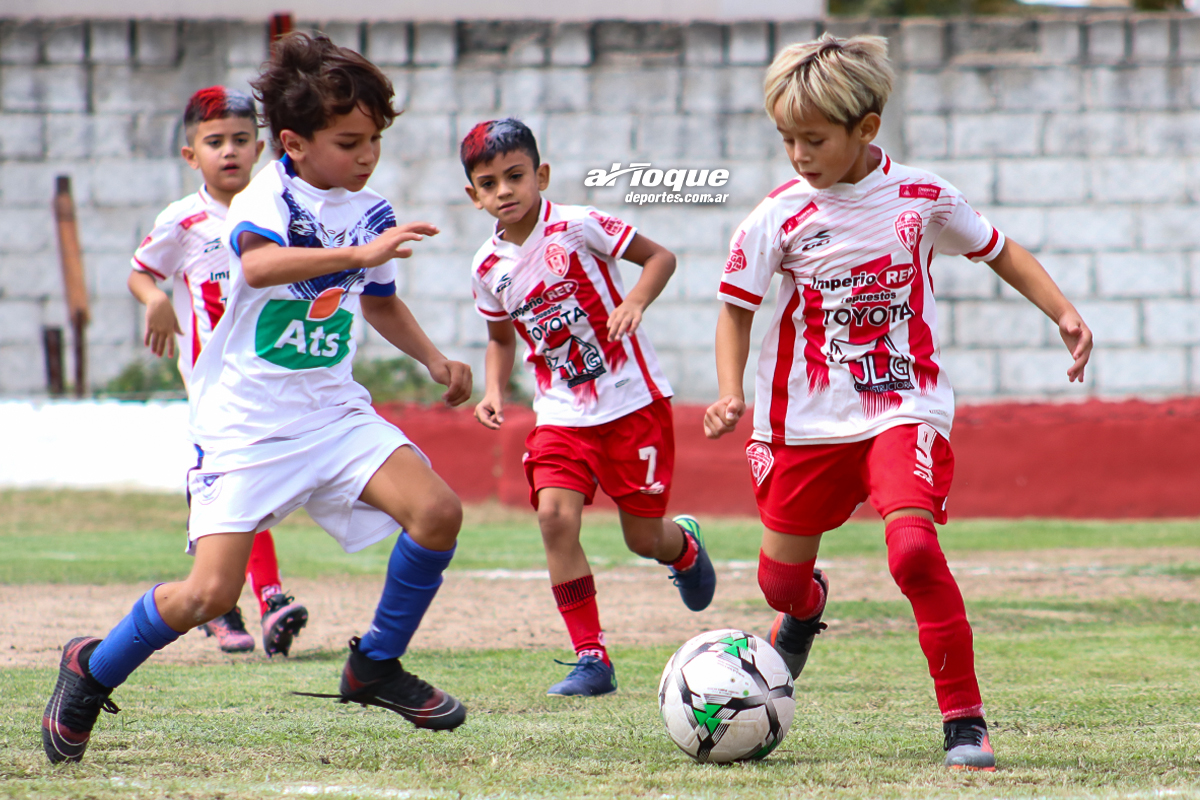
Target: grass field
x,y
1089,695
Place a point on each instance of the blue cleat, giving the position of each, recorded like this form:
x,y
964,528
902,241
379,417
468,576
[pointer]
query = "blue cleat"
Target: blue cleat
x,y
591,677
698,583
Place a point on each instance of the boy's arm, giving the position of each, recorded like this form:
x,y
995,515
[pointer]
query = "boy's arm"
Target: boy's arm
x,y
161,324
501,352
392,318
265,263
1020,270
733,350
658,264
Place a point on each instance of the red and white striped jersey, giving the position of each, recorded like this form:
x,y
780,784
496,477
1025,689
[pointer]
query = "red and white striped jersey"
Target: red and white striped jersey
x,y
186,248
853,346
558,288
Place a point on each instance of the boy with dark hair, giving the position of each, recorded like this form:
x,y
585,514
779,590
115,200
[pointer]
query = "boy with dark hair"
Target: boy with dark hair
x,y
278,419
221,127
852,400
604,417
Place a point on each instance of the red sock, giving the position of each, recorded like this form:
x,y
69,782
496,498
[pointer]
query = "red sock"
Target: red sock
x,y
577,603
916,561
790,588
263,570
687,559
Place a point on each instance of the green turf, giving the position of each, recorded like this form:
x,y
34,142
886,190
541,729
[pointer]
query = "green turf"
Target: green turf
x,y
99,537
1086,700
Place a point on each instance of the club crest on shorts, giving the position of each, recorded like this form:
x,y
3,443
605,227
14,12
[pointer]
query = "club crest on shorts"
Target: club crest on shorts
x,y
761,460
557,259
205,487
908,229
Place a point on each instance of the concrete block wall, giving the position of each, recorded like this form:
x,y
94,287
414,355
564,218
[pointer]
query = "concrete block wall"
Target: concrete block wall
x,y
1079,137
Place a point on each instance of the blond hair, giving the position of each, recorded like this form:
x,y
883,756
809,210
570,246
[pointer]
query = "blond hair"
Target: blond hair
x,y
843,79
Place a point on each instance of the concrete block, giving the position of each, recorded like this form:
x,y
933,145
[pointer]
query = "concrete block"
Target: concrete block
x,y
439,319
958,278
107,276
156,43
1028,372
1058,89
607,137
64,43
22,369
110,230
415,137
926,136
951,89
1076,228
522,90
345,34
1131,88
109,41
647,89
698,140
749,137
570,45
703,45
1071,271
35,274
1095,133
135,182
1189,38
20,321
1060,41
699,273
749,43
923,42
1170,133
789,33
1151,40
749,183
114,321
31,184
389,42
529,51
1140,274
971,372
476,91
679,325
53,88
1140,370
1138,180
1168,227
435,181
1107,41
122,89
703,90
433,90
1112,323
26,230
21,136
20,42
975,179
699,382
246,43
1024,225
1172,322
566,89
1041,181
473,332
697,230
157,136
434,44
744,92
975,135
999,324
450,280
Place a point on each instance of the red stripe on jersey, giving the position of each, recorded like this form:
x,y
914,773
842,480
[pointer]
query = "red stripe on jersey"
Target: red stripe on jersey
x,y
210,291
487,265
887,164
920,337
547,217
591,302
637,348
784,361
541,371
781,189
193,219
991,243
740,294
557,227
621,241
815,364
195,324
149,268
793,222
493,314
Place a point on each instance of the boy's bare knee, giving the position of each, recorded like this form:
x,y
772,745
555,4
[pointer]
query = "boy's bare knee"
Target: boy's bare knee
x,y
436,525
212,598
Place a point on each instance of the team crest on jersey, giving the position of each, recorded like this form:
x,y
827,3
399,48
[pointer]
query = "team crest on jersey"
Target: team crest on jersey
x,y
612,226
557,260
908,229
761,460
205,488
737,259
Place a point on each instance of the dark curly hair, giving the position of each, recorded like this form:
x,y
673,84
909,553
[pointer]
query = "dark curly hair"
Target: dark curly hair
x,y
310,80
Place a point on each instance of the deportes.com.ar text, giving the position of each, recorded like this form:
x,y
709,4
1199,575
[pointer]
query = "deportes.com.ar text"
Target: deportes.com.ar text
x,y
641,199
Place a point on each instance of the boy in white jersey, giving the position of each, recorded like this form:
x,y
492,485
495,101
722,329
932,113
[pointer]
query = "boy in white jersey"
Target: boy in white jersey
x,y
851,399
221,126
276,413
549,275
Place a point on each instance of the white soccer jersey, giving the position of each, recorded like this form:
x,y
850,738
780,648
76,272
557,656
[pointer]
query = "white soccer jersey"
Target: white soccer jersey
x,y
185,247
853,346
278,363
558,288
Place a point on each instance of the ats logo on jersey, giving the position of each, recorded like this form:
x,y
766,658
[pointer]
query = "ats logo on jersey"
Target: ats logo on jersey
x,y
557,260
287,336
761,460
908,229
612,226
559,292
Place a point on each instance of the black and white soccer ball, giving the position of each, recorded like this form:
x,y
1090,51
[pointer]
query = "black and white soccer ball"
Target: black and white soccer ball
x,y
726,696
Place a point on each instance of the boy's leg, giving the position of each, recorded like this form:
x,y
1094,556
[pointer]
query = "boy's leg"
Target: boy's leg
x,y
91,668
793,586
675,544
262,571
282,617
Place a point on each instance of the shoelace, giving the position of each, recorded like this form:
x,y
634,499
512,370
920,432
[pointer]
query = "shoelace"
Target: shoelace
x,y
278,601
82,714
964,734
410,684
234,621
579,666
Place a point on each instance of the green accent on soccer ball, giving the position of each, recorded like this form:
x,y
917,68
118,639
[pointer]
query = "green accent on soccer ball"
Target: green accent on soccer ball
x,y
766,750
708,716
735,645
287,338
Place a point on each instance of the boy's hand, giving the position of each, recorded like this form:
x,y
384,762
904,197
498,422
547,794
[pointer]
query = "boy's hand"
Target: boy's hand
x,y
722,416
454,374
1077,336
624,320
161,326
490,412
387,245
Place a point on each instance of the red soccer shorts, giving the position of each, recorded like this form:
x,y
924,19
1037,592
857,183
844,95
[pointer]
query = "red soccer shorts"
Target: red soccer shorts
x,y
807,490
631,459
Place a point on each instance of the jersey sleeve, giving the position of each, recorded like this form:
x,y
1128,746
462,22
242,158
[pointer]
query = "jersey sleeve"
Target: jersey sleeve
x,y
160,254
968,233
381,280
486,304
753,261
609,236
259,209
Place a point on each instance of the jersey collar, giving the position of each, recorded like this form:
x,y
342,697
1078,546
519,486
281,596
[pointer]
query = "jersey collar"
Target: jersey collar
x,y
535,234
211,205
869,182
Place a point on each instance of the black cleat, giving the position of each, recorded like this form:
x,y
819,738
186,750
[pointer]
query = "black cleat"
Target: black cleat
x,y
76,703
283,622
793,638
967,745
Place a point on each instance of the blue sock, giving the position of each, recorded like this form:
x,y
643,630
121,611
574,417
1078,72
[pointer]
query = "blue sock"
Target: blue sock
x,y
413,577
135,638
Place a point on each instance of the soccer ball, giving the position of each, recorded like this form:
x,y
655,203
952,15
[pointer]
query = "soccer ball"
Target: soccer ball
x,y
726,696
